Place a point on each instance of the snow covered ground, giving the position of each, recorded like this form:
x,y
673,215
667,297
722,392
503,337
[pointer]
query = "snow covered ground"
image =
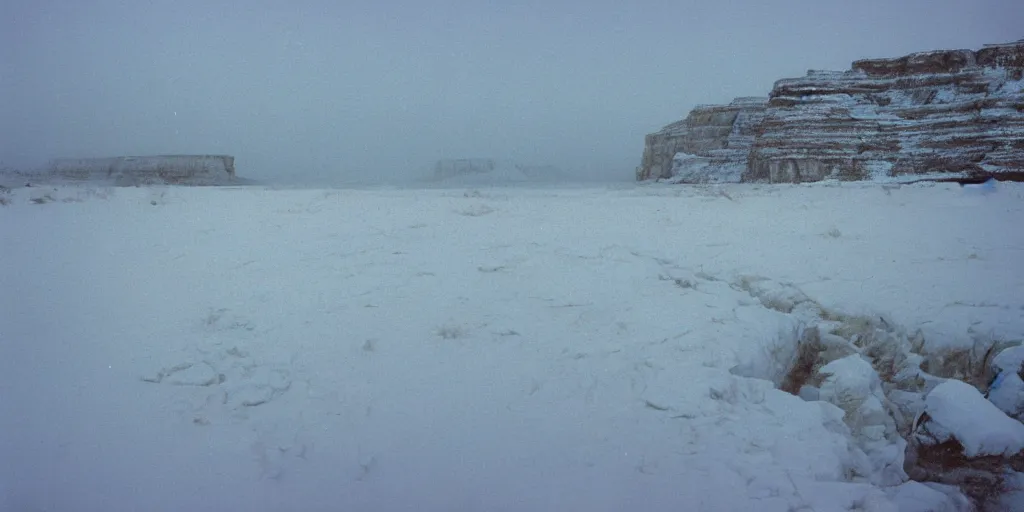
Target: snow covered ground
x,y
527,349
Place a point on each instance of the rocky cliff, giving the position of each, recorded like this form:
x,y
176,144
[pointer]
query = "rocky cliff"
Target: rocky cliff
x,y
952,114
710,145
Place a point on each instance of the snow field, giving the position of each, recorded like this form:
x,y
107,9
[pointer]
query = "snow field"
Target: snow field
x,y
489,349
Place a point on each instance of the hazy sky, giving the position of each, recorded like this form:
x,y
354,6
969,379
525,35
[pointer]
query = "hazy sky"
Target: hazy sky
x,y
337,90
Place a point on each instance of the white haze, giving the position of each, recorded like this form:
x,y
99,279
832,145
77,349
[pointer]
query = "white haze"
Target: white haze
x,y
329,92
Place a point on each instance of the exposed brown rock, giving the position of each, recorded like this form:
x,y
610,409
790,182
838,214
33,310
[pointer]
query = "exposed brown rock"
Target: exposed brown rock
x,y
948,61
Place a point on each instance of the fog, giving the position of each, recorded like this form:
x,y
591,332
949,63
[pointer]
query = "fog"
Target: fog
x,y
330,92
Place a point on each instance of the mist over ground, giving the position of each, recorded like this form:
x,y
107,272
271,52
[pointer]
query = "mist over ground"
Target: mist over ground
x,y
322,92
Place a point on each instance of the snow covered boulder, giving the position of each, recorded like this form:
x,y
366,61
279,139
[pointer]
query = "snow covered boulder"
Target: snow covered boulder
x,y
1007,393
851,377
957,411
1010,359
1007,390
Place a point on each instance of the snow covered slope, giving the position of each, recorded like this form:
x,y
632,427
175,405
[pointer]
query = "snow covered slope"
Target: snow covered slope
x,y
170,349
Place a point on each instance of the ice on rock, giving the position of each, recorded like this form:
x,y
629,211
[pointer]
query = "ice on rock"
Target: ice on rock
x,y
959,411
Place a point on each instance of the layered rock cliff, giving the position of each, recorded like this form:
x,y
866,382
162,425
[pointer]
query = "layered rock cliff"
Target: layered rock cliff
x,y
953,114
710,145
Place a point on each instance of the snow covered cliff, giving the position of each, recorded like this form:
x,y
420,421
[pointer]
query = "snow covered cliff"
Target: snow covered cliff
x,y
949,114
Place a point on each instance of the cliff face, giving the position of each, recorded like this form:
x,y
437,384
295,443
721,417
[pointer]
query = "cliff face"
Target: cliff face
x,y
710,145
943,114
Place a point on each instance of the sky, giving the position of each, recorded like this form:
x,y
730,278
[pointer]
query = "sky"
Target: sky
x,y
323,91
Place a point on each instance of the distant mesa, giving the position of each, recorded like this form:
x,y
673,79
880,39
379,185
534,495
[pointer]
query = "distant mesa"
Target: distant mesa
x,y
448,168
489,171
953,115
190,170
